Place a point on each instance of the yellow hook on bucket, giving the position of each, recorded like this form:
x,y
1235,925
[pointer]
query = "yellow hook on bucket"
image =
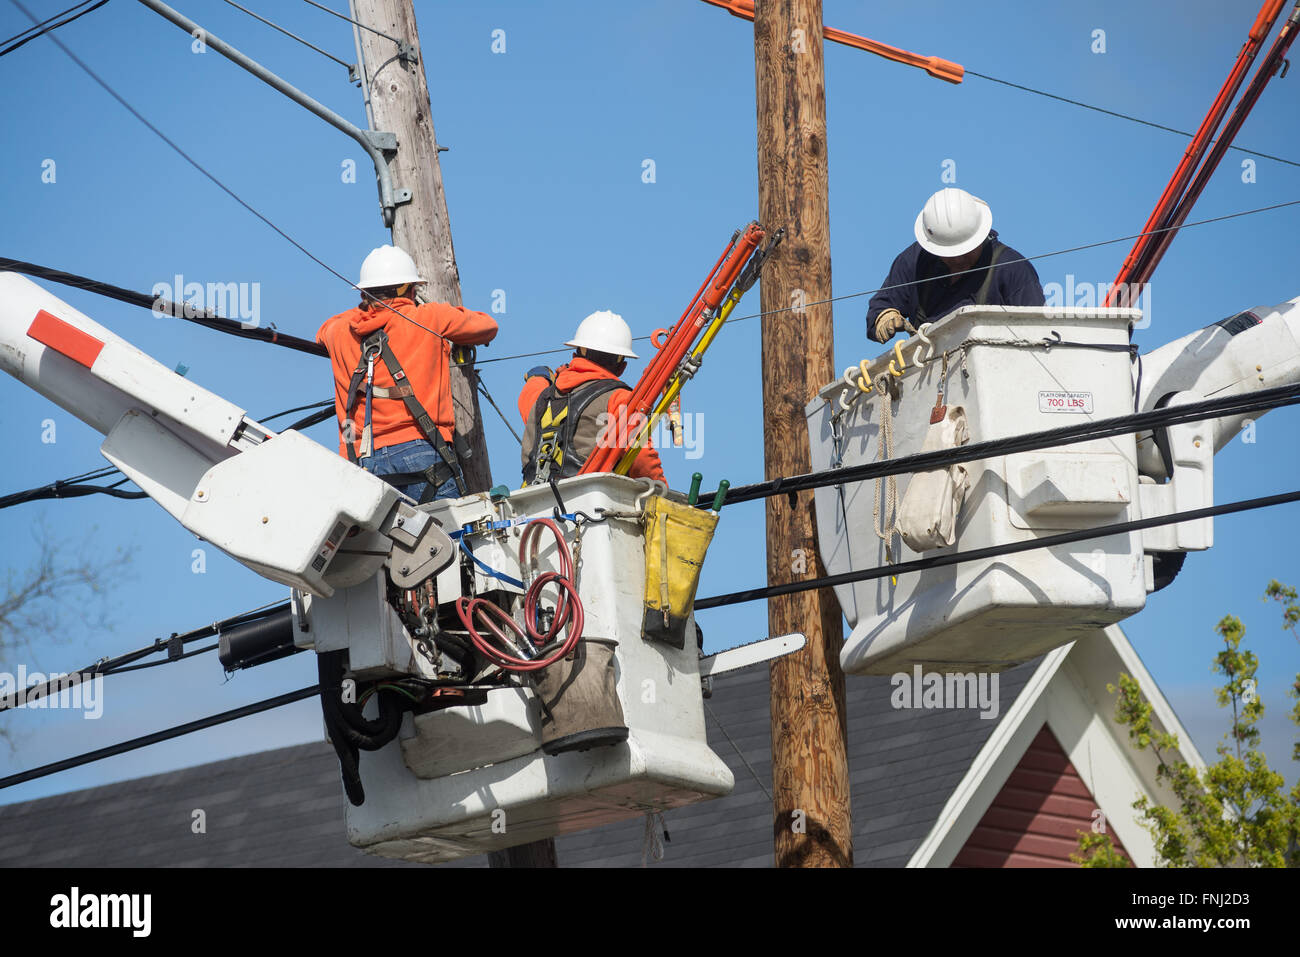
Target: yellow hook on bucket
x,y
902,363
864,380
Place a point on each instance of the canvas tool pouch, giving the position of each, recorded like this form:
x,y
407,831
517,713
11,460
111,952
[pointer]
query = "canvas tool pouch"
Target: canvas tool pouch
x,y
676,538
928,514
579,695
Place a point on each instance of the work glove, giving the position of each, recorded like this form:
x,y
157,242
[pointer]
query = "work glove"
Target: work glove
x,y
891,322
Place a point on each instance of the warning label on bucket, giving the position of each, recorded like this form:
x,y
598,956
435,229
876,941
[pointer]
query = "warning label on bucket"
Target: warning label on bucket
x,y
1065,402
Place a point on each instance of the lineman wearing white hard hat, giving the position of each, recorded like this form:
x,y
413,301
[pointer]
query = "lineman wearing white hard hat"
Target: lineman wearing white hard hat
x,y
956,261
392,389
569,411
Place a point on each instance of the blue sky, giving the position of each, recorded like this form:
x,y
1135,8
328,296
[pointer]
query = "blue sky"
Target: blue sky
x,y
544,182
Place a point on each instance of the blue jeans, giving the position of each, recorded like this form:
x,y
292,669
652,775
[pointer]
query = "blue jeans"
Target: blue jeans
x,y
414,456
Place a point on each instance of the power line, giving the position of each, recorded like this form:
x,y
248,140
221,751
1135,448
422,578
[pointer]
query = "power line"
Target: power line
x,y
301,408
75,488
172,645
62,489
211,320
48,25
918,282
144,741
487,395
1023,259
295,36
358,23
1223,406
995,551
739,753
102,83
1123,116
207,318
222,186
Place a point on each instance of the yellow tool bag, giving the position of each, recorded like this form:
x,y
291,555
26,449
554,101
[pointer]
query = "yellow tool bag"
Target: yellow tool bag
x,y
676,538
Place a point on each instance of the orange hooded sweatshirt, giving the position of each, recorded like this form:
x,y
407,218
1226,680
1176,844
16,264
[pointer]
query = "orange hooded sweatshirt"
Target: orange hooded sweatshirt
x,y
425,358
572,374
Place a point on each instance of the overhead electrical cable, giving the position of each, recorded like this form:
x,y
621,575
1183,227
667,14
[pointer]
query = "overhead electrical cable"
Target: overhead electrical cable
x,y
704,604
1007,262
190,727
1123,116
75,487
172,645
182,310
308,43
995,551
45,26
353,22
233,327
1220,407
222,186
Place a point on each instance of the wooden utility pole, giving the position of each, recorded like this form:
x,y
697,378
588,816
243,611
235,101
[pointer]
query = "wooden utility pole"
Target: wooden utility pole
x,y
809,762
398,102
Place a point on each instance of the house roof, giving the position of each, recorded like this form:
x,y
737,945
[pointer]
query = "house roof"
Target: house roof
x,y
286,807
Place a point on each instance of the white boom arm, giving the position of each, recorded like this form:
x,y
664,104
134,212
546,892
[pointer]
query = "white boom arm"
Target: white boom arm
x,y
1253,350
283,505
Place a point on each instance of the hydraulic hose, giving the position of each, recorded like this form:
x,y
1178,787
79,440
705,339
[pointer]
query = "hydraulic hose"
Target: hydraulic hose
x,y
568,612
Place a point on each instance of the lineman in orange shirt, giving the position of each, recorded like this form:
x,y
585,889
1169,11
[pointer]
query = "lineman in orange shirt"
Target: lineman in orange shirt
x,y
392,392
566,412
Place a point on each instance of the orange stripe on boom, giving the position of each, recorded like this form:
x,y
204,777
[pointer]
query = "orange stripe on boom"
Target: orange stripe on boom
x,y
65,338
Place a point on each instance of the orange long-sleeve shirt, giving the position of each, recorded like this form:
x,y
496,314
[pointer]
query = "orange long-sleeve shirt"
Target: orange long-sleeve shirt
x,y
571,375
424,357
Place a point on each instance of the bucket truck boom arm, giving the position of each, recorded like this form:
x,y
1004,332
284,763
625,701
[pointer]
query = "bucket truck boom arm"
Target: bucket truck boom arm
x,y
279,503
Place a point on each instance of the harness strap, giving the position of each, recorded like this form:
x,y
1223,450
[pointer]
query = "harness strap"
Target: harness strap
x,y
376,344
982,297
555,431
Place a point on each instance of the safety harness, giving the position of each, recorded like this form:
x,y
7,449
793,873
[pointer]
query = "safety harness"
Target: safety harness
x,y
981,294
375,346
556,418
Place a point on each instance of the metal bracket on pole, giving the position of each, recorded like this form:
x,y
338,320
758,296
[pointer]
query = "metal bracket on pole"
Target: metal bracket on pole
x,y
390,197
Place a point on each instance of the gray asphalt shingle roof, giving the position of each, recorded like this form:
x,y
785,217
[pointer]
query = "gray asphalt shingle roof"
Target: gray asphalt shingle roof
x,y
286,807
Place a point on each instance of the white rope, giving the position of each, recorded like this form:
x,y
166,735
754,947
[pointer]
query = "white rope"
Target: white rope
x,y
886,484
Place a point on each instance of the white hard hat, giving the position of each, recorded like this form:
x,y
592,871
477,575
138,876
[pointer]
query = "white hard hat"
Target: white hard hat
x,y
953,223
604,331
387,266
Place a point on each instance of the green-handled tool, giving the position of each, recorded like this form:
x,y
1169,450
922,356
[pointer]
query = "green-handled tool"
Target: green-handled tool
x,y
722,493
694,495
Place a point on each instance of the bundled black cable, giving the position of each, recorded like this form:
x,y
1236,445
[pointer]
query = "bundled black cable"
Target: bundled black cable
x,y
1261,400
189,313
350,731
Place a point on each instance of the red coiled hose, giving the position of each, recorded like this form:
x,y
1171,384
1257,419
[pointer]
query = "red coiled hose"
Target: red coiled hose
x,y
568,609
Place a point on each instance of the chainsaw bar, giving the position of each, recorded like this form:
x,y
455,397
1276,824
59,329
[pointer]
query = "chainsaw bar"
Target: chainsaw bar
x,y
765,649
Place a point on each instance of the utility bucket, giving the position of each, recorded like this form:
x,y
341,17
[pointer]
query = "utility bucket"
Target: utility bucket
x,y
1009,370
676,538
615,731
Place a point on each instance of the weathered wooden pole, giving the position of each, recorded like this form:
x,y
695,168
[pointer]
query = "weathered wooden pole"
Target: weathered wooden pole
x,y
809,763
398,103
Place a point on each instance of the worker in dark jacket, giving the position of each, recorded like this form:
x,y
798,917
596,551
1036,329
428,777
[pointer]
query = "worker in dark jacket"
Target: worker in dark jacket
x,y
956,260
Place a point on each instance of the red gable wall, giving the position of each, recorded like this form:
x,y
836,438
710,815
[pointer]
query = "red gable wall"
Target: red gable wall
x,y
1034,820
